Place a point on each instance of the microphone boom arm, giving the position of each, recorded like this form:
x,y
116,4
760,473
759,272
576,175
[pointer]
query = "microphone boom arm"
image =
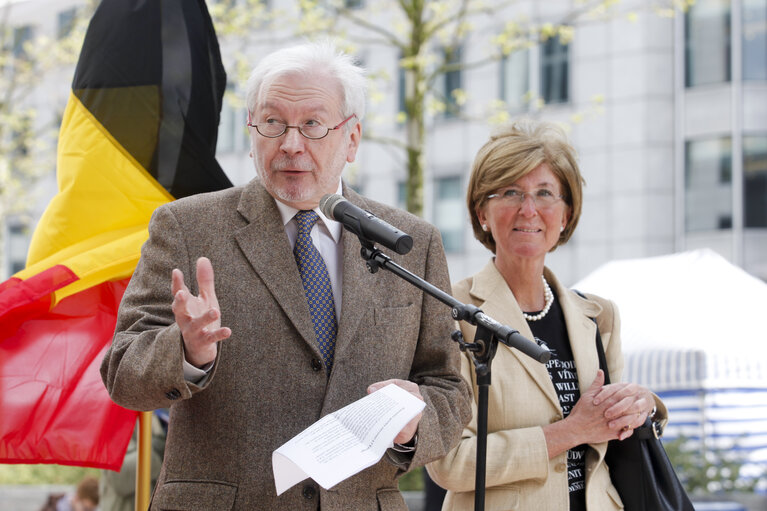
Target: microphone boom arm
x,y
376,259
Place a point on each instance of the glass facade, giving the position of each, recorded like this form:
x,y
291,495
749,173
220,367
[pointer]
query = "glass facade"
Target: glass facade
x,y
18,245
232,127
66,22
707,43
754,40
515,79
453,81
21,36
448,211
755,180
708,184
555,71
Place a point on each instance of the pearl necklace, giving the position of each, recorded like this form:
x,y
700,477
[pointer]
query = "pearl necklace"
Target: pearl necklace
x,y
549,296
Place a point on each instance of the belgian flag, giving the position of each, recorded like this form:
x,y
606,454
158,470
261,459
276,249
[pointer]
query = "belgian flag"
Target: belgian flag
x,y
139,130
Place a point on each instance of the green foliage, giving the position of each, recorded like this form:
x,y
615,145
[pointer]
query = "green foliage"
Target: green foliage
x,y
710,470
412,481
44,474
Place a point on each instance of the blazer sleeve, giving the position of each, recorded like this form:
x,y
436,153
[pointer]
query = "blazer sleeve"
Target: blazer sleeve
x,y
143,368
436,370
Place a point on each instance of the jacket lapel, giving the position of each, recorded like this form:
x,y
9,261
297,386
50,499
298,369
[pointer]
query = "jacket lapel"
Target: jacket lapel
x,y
497,301
358,284
581,329
265,245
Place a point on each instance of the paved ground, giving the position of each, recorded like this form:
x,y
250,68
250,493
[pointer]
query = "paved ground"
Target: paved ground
x,y
32,498
27,497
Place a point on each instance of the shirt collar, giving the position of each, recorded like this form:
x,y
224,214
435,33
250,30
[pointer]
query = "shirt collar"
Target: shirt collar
x,y
334,228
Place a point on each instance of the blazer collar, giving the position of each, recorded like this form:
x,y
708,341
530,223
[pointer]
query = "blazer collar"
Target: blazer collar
x,y
580,314
358,284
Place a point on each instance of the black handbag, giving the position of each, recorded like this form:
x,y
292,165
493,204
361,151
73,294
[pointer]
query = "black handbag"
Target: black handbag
x,y
639,466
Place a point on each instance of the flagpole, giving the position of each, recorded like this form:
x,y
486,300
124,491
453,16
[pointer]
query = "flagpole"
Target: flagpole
x,y
143,467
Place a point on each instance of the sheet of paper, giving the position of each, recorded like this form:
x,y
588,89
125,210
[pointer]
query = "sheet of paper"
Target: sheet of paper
x,y
345,442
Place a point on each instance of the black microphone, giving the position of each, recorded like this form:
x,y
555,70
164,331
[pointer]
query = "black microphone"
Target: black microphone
x,y
364,224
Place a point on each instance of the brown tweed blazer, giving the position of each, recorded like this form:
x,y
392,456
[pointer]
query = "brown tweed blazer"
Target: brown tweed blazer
x,y
266,384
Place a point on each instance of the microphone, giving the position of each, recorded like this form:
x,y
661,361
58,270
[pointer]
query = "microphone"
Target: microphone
x,y
364,224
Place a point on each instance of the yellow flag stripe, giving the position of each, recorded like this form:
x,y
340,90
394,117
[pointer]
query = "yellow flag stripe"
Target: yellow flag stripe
x,y
98,221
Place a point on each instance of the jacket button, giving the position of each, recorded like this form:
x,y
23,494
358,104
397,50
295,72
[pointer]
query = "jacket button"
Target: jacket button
x,y
560,467
316,364
173,394
309,492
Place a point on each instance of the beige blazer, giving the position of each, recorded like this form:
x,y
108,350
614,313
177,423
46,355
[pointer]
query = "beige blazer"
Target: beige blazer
x,y
267,383
522,398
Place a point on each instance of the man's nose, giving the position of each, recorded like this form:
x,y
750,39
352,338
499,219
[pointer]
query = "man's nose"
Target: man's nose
x,y
292,141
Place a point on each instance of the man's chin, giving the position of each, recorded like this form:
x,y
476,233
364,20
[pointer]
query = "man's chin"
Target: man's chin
x,y
300,199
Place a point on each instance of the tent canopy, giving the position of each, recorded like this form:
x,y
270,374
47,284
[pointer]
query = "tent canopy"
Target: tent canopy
x,y
687,320
694,330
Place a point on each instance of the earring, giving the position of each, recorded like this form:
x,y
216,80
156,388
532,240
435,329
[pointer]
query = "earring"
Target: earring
x,y
561,228
484,227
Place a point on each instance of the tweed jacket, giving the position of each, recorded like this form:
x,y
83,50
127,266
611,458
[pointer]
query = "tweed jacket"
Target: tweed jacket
x,y
522,398
267,383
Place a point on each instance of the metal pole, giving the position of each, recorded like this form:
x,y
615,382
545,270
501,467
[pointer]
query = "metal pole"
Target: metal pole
x,y
143,467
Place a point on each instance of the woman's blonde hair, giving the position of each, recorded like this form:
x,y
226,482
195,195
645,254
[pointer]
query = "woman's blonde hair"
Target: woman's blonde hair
x,y
515,151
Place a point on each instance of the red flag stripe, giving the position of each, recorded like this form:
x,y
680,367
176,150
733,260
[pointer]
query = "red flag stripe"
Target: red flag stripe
x,y
39,413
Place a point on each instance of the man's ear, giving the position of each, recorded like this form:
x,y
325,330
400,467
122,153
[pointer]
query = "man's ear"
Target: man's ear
x,y
354,142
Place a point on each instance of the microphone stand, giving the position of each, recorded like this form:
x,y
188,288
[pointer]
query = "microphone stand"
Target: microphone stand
x,y
482,350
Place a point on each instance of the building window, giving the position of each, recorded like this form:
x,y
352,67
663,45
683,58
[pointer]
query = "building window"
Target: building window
x,y
555,71
755,40
66,22
452,82
18,245
515,80
755,181
708,184
448,212
707,43
226,129
232,130
21,36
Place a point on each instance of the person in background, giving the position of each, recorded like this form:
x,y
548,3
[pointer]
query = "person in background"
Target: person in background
x,y
548,425
84,498
292,326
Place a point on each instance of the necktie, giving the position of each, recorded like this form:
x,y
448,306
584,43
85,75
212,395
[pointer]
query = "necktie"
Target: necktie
x,y
319,294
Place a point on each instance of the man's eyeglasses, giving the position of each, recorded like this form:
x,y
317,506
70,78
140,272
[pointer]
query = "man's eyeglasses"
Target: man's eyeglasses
x,y
311,130
542,197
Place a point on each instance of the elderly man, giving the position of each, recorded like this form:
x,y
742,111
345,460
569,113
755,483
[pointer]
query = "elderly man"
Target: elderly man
x,y
292,326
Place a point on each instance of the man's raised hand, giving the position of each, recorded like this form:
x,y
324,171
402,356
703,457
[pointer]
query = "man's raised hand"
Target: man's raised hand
x,y
198,317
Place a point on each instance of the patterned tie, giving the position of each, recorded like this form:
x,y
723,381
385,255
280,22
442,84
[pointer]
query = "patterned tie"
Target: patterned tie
x,y
319,294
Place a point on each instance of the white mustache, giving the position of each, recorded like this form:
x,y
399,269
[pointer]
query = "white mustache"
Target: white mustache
x,y
285,163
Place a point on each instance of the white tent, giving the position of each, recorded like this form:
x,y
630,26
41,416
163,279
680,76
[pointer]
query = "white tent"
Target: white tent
x,y
694,330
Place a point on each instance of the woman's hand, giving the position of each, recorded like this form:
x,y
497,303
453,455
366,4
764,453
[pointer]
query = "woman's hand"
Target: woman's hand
x,y
626,406
585,424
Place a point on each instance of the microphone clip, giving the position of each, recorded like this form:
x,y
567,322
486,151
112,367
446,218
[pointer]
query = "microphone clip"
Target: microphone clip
x,y
374,258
